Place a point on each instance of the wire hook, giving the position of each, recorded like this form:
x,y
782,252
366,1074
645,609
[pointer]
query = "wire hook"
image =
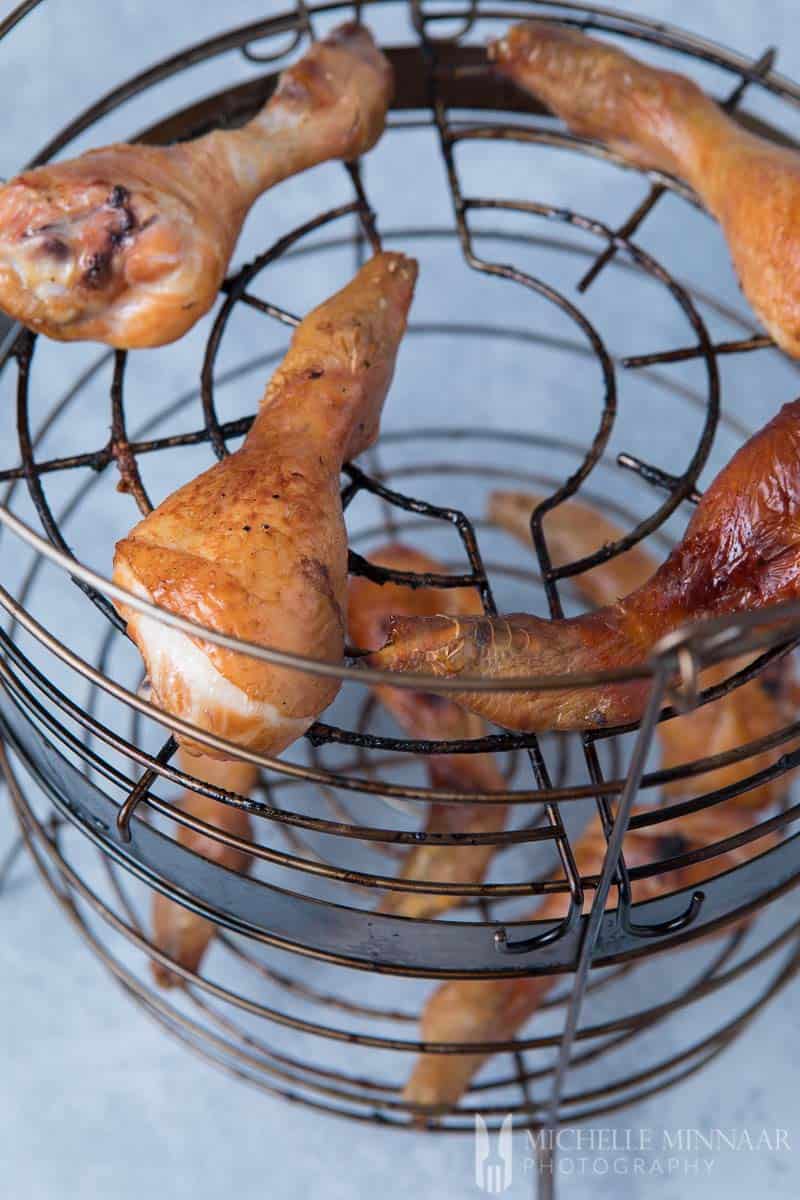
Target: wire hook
x,y
304,28
418,20
527,945
658,928
274,56
140,790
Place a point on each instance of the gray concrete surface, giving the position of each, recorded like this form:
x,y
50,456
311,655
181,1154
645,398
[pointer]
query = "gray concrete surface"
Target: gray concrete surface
x,y
94,1102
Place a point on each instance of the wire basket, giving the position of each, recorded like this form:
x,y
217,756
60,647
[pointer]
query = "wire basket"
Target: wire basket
x,y
334,816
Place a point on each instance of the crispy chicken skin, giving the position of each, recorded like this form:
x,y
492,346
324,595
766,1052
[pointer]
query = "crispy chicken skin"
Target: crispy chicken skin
x,y
657,119
180,933
129,244
425,715
756,709
740,552
493,1010
256,546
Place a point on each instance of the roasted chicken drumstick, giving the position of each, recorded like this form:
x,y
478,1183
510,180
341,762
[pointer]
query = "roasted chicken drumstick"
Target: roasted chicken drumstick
x,y
657,119
425,715
740,552
129,244
184,935
754,710
256,546
494,1010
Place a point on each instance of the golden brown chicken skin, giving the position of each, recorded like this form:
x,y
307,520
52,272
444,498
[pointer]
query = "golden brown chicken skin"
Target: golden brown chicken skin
x,y
425,715
740,552
657,119
494,1010
256,546
129,244
755,710
184,935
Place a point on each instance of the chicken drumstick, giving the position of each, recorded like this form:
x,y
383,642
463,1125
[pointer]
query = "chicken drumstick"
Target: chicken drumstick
x,y
740,552
182,934
754,710
657,119
425,715
494,1010
256,546
129,244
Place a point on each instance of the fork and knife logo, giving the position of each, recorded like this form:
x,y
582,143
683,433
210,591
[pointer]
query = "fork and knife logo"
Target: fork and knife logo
x,y
493,1168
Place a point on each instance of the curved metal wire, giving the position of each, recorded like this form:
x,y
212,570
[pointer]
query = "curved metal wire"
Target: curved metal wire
x,y
365,1098
456,78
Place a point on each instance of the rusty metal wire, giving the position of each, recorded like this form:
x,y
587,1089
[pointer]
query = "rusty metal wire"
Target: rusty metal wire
x,y
104,778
